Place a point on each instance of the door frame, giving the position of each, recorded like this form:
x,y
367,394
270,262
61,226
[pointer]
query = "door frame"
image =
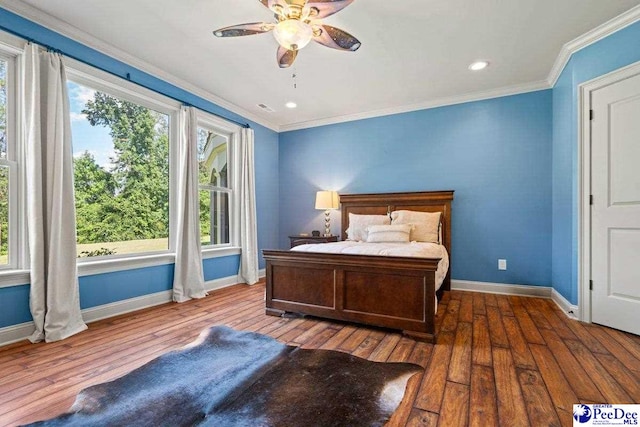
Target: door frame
x,y
584,180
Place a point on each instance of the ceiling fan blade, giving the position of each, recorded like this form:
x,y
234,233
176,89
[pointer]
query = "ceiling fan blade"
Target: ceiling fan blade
x,y
335,38
244,29
322,8
286,57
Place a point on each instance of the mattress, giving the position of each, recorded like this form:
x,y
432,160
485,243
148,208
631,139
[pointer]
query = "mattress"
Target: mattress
x,y
412,249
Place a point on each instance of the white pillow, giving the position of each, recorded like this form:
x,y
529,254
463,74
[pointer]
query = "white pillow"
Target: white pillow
x,y
398,233
358,225
426,225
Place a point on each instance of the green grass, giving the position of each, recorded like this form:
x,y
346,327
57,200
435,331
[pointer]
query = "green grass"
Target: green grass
x,y
122,248
128,247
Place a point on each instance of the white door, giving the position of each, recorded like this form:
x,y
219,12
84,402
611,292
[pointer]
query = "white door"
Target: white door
x,y
615,213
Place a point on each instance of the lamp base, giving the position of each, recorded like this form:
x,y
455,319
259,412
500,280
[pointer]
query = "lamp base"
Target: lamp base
x,y
327,223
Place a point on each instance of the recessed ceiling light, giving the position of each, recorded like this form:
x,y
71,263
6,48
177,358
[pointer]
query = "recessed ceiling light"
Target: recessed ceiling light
x,y
291,104
478,65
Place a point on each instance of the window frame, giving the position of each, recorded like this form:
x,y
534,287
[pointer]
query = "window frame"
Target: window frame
x,y
11,49
231,131
16,269
99,80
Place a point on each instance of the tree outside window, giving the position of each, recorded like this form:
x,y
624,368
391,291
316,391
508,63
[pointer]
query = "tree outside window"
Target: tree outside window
x,y
121,174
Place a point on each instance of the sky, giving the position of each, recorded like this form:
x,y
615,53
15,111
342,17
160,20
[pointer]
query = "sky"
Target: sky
x,y
94,139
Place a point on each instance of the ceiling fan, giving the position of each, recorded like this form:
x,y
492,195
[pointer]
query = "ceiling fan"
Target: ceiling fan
x,y
298,22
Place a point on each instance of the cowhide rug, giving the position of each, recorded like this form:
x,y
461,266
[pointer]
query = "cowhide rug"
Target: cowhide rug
x,y
232,378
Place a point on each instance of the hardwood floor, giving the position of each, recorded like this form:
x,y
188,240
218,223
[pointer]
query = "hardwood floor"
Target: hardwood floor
x,y
499,360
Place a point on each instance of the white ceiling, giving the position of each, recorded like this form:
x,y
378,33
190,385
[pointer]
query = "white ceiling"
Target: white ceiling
x,y
414,53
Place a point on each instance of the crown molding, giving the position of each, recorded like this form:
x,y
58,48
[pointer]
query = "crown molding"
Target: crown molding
x,y
621,21
613,25
616,24
435,103
28,12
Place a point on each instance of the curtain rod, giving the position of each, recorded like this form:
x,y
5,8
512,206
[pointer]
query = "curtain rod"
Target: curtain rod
x,y
127,76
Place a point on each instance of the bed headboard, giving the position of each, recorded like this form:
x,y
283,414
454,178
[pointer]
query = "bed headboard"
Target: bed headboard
x,y
383,203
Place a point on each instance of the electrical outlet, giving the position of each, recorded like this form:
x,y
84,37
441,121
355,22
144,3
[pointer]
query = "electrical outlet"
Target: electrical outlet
x,y
502,264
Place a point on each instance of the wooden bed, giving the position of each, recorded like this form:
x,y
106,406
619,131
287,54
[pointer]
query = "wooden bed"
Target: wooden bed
x,y
391,292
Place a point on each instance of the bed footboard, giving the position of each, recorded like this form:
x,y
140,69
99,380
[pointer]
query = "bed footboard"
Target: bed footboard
x,y
391,292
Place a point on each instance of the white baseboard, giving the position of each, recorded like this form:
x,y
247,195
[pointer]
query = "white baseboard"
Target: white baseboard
x,y
100,312
501,288
228,281
569,309
212,285
14,333
145,301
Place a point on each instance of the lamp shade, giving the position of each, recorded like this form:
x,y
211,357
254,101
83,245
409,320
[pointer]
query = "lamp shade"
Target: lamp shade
x,y
327,200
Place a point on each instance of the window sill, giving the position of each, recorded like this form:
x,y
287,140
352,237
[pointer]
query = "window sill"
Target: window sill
x,y
89,268
11,278
221,252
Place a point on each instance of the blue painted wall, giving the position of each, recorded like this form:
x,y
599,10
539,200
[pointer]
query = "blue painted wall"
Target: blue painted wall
x,y
106,288
563,245
609,54
511,160
14,305
99,289
495,154
267,190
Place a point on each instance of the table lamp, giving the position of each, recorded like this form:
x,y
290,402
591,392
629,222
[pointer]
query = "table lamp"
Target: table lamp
x,y
327,200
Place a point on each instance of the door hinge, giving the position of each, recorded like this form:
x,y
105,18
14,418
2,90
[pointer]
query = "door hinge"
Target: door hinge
x,y
591,199
590,114
590,285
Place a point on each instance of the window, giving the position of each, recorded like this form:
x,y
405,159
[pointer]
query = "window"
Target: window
x,y
5,171
121,149
218,181
9,250
216,140
4,168
124,139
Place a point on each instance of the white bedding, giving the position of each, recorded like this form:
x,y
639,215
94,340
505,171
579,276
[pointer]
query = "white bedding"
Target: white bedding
x,y
412,249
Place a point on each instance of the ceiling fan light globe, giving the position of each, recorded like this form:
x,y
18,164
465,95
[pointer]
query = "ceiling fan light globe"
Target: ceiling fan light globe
x,y
293,34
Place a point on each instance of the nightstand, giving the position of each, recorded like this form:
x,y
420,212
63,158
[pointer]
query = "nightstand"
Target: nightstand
x,y
303,240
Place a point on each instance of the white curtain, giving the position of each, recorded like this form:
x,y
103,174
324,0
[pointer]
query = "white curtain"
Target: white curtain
x,y
51,219
248,221
188,277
